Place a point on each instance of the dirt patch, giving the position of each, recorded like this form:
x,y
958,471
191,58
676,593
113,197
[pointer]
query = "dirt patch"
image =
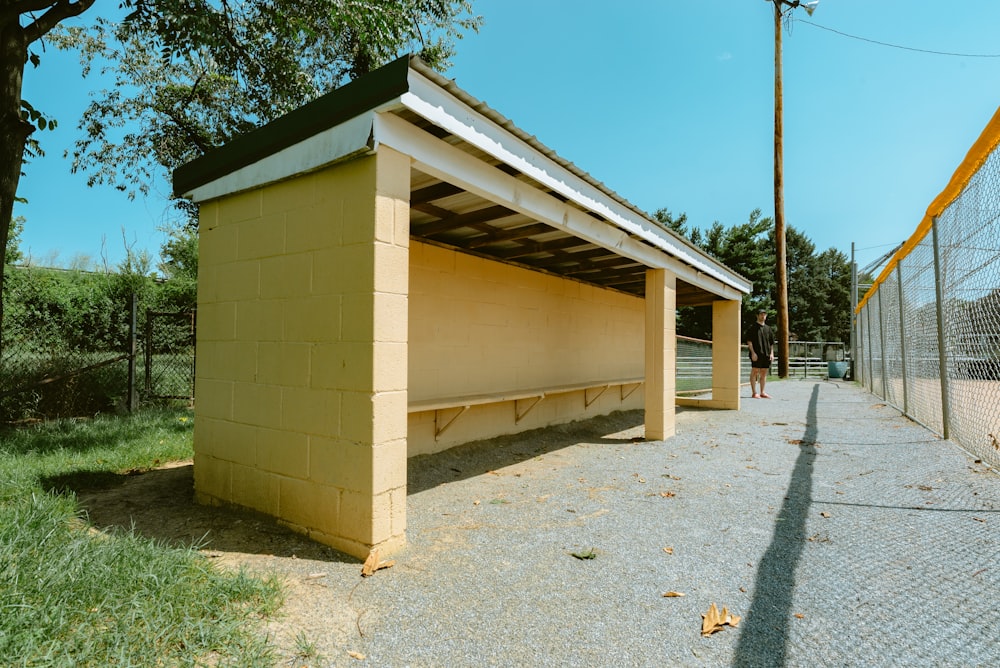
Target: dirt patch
x,y
159,504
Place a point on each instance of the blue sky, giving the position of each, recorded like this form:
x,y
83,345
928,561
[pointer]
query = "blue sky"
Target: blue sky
x,y
670,104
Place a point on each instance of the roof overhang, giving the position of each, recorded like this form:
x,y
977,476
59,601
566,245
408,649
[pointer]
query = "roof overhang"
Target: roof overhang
x,y
480,184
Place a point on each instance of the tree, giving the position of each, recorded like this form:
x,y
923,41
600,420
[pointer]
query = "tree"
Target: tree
x,y
12,251
180,269
819,285
746,249
223,68
834,270
743,248
806,305
18,119
232,68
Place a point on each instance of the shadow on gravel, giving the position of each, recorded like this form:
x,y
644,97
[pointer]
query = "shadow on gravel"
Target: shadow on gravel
x,y
764,636
479,457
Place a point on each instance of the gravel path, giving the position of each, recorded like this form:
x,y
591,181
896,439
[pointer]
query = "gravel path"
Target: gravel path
x,y
840,532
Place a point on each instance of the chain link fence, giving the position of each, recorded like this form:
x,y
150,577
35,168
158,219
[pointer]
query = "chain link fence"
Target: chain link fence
x,y
928,330
74,344
169,355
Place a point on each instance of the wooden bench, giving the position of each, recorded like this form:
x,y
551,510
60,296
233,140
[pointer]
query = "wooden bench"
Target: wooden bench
x,y
524,400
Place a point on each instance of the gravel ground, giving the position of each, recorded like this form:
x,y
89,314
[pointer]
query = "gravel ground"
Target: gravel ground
x,y
839,531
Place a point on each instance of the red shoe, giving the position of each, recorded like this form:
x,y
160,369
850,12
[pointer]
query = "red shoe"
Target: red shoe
x,y
765,395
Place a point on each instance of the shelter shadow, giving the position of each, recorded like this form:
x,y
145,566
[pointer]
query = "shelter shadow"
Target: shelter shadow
x,y
479,457
160,505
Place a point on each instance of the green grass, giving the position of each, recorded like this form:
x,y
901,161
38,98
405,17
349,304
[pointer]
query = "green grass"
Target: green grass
x,y
72,597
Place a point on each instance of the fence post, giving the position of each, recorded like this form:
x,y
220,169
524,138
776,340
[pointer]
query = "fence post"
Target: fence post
x,y
871,350
148,381
858,356
854,313
942,351
902,333
132,338
881,338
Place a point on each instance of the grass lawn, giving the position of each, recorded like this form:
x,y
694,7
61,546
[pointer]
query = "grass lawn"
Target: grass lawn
x,y
74,597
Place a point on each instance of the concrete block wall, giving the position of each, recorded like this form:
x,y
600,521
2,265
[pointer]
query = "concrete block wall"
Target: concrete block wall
x,y
478,326
302,352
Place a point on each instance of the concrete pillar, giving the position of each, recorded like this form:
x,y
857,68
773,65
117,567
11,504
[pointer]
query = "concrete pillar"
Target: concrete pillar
x,y
726,354
661,353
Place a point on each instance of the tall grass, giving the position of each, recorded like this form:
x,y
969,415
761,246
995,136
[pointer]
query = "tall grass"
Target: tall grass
x,y
73,597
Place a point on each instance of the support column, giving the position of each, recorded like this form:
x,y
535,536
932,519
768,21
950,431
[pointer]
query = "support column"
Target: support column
x,y
389,337
661,353
726,354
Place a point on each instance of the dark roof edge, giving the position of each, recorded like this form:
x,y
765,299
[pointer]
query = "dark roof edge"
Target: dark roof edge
x,y
363,94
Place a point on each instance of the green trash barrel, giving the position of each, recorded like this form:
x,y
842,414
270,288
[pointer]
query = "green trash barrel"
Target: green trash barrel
x,y
836,369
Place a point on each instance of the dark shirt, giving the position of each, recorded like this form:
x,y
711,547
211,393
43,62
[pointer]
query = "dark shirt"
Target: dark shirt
x,y
761,338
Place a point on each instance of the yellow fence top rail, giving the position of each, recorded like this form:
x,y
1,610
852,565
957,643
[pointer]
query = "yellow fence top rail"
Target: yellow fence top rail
x,y
974,159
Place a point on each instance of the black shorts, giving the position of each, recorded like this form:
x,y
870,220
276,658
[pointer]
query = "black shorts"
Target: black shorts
x,y
761,363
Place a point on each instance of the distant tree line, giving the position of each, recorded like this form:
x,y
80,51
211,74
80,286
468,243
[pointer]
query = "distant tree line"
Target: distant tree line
x,y
819,284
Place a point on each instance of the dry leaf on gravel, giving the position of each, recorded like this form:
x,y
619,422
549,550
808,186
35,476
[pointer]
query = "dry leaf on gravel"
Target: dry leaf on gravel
x,y
667,495
672,594
356,655
374,563
668,550
713,620
824,514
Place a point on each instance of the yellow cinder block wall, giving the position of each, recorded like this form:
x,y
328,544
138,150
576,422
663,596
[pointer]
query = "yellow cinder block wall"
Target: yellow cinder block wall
x,y
478,326
302,340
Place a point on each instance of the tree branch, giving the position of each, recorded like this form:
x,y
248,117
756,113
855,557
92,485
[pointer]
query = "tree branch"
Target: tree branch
x,y
58,11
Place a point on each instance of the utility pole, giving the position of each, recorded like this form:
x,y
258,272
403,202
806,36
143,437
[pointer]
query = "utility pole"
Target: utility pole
x,y
780,260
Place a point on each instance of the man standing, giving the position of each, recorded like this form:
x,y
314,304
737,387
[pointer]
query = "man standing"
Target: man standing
x,y
760,342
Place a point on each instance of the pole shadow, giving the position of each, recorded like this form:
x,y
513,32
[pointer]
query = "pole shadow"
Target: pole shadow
x,y
764,636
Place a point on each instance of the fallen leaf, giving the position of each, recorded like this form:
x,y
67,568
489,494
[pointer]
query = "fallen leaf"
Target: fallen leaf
x,y
668,550
799,615
587,554
374,563
667,495
979,519
476,502
356,655
673,594
713,620
824,514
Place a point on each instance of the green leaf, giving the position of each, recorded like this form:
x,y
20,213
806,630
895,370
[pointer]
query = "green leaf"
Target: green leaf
x,y
587,554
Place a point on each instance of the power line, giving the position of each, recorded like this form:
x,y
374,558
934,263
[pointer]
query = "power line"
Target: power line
x,y
897,46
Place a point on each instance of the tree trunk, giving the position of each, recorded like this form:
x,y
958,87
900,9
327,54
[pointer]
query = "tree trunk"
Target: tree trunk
x,y
14,132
